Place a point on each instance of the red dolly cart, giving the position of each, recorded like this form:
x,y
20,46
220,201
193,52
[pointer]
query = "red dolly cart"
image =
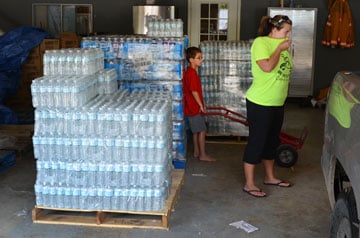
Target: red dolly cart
x,y
287,154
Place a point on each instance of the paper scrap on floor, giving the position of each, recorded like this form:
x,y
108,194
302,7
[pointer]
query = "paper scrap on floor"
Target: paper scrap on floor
x,y
244,225
199,175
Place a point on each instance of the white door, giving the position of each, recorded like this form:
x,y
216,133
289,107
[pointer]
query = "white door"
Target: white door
x,y
217,20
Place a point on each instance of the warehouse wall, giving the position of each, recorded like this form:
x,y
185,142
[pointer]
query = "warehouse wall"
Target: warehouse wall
x,y
115,17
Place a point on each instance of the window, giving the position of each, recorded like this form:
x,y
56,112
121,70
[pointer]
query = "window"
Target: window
x,y
213,21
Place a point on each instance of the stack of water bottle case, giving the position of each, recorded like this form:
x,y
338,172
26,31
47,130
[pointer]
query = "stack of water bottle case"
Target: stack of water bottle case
x,y
97,147
226,75
149,63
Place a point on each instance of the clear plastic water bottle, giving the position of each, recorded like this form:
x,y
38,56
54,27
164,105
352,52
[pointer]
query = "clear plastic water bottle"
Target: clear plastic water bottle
x,y
134,175
132,199
92,199
126,149
158,200
142,149
75,198
158,177
140,198
38,194
60,193
83,199
151,149
124,199
77,178
77,62
45,196
100,197
91,175
101,175
134,149
62,62
125,175
52,196
115,200
108,193
70,62
46,62
68,197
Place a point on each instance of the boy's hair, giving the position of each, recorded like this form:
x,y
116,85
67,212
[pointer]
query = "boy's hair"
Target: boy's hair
x,y
191,52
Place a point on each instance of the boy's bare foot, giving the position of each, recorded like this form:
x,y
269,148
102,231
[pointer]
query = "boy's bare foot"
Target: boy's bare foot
x,y
207,158
196,156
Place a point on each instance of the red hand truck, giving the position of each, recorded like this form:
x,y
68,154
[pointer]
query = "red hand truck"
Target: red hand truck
x,y
287,154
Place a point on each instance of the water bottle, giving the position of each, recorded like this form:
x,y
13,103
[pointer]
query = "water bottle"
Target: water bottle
x,y
139,205
124,199
70,62
132,199
134,149
109,174
62,62
101,175
91,175
60,193
46,62
158,200
125,175
77,62
126,149
77,178
100,197
150,149
68,197
115,200
38,194
92,199
75,198
134,175
83,198
108,193
142,149
61,173
52,196
158,177
45,196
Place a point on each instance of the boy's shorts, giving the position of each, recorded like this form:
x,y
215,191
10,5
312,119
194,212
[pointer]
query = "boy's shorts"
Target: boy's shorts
x,y
197,123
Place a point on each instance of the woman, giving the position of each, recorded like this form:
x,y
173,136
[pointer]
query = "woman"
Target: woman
x,y
271,65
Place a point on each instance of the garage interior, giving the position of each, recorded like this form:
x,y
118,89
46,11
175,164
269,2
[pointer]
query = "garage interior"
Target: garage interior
x,y
210,196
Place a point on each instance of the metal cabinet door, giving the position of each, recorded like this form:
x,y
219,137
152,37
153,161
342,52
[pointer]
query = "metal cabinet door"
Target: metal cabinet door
x,y
303,38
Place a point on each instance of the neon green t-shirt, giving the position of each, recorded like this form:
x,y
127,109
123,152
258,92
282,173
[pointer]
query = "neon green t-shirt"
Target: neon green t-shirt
x,y
339,106
269,88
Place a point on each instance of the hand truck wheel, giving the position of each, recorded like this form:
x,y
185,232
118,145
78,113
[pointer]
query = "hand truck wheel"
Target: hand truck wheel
x,y
286,156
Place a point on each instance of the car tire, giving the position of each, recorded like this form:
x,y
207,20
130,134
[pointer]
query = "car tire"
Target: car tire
x,y
343,216
286,156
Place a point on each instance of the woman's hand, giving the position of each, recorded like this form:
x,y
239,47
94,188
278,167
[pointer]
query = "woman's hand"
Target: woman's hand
x,y
285,45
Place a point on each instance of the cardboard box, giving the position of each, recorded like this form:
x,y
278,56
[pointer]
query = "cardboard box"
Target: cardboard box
x,y
35,50
34,60
67,35
27,68
70,43
49,44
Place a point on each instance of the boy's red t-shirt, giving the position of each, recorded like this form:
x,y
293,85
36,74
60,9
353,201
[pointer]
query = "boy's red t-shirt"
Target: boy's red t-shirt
x,y
192,83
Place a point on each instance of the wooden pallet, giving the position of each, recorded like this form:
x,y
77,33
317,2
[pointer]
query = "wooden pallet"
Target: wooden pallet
x,y
114,219
225,139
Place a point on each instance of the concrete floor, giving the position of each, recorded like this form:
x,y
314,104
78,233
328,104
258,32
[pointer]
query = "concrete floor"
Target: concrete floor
x,y
208,203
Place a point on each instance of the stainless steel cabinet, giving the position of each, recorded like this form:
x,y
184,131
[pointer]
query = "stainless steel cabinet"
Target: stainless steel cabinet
x,y
303,38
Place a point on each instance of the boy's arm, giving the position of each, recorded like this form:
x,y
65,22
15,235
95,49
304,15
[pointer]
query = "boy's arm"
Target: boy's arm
x,y
198,100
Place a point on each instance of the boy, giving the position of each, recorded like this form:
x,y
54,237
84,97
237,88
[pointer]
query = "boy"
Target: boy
x,y
194,103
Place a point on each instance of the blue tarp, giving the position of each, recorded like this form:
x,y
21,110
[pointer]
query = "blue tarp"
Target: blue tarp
x,y
15,47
